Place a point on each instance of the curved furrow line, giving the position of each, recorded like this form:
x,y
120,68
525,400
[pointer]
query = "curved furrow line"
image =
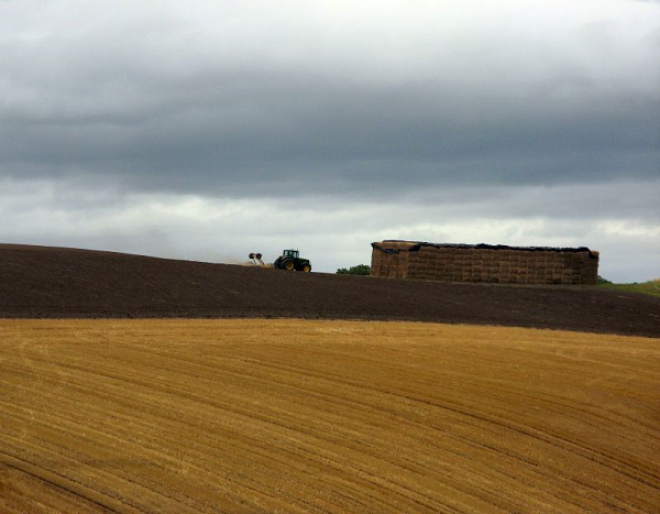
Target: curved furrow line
x,y
52,426
243,449
554,439
546,434
587,453
144,492
331,417
64,483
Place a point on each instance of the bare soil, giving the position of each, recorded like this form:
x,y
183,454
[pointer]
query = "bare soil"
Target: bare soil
x,y
308,416
43,282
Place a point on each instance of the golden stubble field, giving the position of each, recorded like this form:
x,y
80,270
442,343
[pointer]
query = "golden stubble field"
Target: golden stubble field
x,y
325,416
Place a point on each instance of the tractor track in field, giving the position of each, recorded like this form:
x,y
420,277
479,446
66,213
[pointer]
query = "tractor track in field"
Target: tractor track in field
x,y
313,416
44,282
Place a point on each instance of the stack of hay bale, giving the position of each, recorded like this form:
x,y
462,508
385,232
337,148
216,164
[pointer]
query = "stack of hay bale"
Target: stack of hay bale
x,y
484,263
392,259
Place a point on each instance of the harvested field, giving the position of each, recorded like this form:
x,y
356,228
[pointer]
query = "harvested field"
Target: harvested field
x,y
325,416
40,282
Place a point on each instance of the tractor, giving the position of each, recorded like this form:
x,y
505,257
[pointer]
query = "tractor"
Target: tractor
x,y
290,260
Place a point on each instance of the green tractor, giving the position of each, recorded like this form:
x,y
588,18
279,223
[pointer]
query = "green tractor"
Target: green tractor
x,y
290,260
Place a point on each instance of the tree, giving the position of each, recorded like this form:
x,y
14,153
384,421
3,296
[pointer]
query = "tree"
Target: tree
x,y
360,269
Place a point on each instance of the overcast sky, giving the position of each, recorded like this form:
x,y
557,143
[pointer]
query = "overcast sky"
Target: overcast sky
x,y
209,130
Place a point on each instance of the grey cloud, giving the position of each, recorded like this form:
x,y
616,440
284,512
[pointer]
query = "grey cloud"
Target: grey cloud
x,y
144,103
347,140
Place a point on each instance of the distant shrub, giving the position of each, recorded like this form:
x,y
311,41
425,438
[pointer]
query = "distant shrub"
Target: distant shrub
x,y
360,269
601,280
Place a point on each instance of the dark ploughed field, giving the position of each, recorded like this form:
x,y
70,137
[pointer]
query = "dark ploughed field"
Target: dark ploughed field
x,y
43,282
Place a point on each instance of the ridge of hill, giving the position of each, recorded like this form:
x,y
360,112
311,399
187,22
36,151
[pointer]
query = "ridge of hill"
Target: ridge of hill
x,y
46,282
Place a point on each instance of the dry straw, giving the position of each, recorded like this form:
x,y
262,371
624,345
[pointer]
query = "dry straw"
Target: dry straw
x,y
483,263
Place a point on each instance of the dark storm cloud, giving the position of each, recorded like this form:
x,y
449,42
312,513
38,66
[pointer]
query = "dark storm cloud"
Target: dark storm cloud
x,y
148,104
344,140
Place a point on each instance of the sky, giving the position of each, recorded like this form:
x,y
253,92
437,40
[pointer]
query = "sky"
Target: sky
x,y
208,130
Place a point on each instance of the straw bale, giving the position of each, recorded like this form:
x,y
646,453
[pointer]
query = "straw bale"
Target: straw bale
x,y
419,260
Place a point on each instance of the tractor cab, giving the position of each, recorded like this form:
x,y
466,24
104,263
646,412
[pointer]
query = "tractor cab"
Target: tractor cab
x,y
293,254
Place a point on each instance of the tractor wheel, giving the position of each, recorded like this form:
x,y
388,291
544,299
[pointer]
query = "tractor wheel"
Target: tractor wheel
x,y
307,268
289,265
